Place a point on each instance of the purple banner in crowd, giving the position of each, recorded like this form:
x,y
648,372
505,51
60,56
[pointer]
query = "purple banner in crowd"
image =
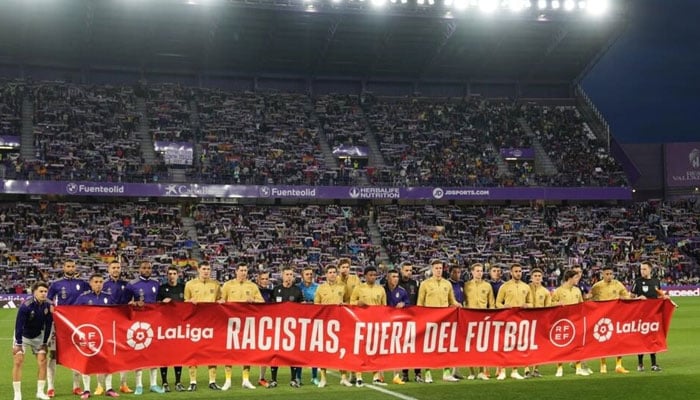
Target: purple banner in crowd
x,y
682,164
514,153
9,141
175,153
311,192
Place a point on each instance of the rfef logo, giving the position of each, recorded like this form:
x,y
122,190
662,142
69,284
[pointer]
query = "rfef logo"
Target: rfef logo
x,y
87,339
139,335
562,333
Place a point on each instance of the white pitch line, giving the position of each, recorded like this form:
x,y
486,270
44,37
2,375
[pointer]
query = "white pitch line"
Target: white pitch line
x,y
381,389
389,392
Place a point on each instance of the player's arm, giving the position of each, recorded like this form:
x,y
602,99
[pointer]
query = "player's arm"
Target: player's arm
x,y
421,296
491,303
501,298
318,298
355,297
48,322
20,321
382,299
529,299
451,300
257,296
556,300
548,299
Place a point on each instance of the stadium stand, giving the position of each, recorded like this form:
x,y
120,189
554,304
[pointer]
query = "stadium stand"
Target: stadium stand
x,y
34,237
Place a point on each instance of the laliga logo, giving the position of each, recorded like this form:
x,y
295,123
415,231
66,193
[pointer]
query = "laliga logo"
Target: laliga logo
x,y
87,339
139,335
603,330
438,193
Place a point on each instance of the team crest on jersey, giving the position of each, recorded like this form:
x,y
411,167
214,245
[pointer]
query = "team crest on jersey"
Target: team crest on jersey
x,y
46,311
645,288
105,300
340,293
153,289
398,295
77,286
89,302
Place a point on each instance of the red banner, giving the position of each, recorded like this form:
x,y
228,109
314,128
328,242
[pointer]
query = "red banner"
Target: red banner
x,y
95,339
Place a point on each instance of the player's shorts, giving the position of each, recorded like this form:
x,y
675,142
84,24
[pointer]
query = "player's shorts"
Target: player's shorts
x,y
34,344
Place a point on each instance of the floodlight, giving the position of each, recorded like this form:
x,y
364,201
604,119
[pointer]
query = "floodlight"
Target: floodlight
x,y
336,1
404,1
461,5
582,5
488,5
393,1
555,4
420,2
597,7
569,5
516,5
378,3
541,4
431,2
448,3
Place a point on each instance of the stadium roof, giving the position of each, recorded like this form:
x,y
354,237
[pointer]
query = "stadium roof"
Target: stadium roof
x,y
311,38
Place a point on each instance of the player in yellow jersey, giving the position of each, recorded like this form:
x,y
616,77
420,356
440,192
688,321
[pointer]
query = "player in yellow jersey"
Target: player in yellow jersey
x,y
240,290
366,294
540,298
202,289
610,289
514,293
331,292
478,293
566,294
437,292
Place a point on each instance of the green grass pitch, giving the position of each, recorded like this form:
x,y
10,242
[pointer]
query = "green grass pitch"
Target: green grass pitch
x,y
680,378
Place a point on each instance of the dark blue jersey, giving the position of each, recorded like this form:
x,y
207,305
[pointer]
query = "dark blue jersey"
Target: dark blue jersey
x,y
396,296
496,285
142,289
65,291
94,299
266,294
458,289
116,290
33,318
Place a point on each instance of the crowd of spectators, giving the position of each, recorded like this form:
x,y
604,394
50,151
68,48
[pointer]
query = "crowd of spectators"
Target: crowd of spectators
x,y
168,109
11,94
257,138
448,142
549,237
581,158
34,237
90,132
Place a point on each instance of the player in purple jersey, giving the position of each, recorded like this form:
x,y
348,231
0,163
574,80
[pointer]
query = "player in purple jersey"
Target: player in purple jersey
x,y
140,291
96,297
64,291
115,287
32,331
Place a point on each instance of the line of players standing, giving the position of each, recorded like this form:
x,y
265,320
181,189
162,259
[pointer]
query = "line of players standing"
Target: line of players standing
x,y
400,290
